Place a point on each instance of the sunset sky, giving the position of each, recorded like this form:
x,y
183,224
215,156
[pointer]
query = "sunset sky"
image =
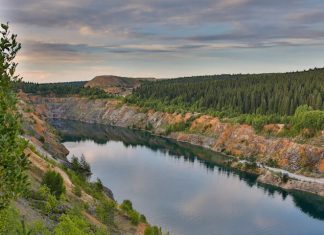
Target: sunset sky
x,y
68,40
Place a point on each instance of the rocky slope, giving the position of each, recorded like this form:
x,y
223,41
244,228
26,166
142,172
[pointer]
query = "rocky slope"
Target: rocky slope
x,y
210,132
45,152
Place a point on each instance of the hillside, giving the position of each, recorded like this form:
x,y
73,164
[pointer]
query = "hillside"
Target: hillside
x,y
85,207
116,85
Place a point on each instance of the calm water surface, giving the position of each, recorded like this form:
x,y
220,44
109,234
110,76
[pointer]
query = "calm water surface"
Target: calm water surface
x,y
184,194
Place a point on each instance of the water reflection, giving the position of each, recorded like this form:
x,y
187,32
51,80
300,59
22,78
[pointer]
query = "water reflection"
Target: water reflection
x,y
199,202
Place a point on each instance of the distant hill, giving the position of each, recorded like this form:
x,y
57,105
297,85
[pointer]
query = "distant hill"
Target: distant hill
x,y
116,85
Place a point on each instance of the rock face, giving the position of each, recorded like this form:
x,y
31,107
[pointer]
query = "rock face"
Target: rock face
x,y
210,132
38,131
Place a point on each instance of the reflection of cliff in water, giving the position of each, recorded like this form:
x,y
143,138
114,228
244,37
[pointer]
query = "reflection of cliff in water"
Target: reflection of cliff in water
x,y
101,134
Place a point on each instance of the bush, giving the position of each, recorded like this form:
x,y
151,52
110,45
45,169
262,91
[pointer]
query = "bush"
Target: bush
x,y
81,167
42,139
272,162
77,191
9,221
153,231
50,202
54,182
72,225
306,117
126,206
284,177
134,217
106,212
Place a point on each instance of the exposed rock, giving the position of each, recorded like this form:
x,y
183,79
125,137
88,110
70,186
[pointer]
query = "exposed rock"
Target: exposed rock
x,y
206,131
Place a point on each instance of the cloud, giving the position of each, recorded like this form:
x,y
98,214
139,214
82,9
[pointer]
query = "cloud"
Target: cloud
x,y
129,31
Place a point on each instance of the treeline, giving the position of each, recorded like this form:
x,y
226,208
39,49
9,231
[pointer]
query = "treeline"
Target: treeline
x,y
263,94
61,89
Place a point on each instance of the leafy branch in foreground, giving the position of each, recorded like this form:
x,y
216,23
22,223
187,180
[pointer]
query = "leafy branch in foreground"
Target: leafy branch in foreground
x,y
13,162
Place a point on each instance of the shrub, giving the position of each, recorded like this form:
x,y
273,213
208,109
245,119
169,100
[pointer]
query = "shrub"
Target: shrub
x,y
106,212
42,139
126,206
98,185
81,167
284,177
54,182
72,225
9,221
77,191
272,162
50,201
134,217
306,117
153,231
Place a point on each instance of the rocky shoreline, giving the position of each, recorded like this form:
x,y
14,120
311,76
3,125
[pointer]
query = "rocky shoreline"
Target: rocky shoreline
x,y
237,140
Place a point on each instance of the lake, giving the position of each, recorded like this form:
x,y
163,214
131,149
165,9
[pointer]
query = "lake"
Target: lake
x,y
188,190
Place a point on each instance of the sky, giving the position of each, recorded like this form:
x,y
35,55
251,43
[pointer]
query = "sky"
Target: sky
x,y
72,40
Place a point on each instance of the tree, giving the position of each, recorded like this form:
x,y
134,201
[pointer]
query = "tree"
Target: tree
x,y
13,162
54,182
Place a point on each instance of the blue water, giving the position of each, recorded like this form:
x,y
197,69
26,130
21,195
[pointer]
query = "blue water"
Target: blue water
x,y
184,194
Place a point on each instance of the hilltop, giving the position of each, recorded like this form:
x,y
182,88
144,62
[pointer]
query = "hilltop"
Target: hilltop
x,y
116,85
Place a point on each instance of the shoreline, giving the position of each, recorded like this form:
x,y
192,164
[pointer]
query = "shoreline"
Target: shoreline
x,y
238,141
266,175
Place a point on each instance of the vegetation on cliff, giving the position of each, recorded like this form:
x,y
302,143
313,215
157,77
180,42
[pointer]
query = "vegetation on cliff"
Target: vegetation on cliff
x,y
13,162
61,89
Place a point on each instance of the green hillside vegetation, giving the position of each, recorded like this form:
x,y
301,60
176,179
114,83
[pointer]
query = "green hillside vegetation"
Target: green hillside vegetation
x,y
61,89
295,98
275,93
13,162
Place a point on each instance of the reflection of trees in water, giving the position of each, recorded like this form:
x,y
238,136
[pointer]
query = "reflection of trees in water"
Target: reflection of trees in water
x,y
101,134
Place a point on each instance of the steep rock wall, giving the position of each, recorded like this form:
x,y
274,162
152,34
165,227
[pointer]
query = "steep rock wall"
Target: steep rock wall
x,y
210,132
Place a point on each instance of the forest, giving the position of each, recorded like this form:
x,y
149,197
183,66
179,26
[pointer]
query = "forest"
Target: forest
x,y
273,93
61,89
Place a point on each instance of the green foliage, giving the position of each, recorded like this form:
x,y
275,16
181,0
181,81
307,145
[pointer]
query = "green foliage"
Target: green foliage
x,y
306,117
272,163
13,162
106,211
98,185
133,215
9,221
74,223
39,228
61,89
54,182
81,167
77,191
126,206
49,201
230,95
42,139
153,230
179,126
